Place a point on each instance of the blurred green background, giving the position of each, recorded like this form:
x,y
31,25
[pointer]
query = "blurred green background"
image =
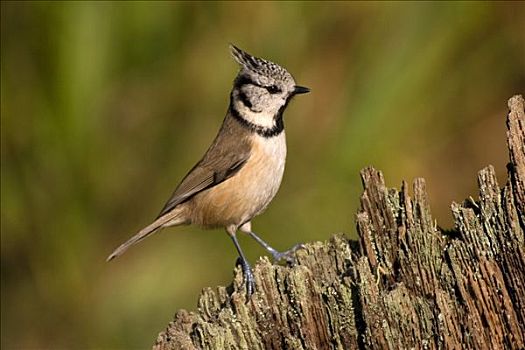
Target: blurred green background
x,y
105,106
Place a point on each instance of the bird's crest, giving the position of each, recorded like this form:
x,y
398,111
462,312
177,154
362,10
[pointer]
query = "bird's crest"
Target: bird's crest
x,y
259,65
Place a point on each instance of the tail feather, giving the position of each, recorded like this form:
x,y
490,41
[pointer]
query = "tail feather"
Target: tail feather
x,y
145,232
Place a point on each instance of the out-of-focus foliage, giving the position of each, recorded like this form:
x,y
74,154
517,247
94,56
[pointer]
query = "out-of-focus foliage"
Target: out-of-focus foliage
x,y
105,106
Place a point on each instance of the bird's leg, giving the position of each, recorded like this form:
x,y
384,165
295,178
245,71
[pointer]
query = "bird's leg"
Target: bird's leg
x,y
245,265
288,255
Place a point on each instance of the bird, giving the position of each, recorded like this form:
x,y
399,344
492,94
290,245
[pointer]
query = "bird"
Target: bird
x,y
241,171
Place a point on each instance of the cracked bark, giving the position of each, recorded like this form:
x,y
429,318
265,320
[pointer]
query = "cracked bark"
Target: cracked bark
x,y
405,284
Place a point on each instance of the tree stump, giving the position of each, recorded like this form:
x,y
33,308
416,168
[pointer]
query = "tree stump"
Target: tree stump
x,y
405,284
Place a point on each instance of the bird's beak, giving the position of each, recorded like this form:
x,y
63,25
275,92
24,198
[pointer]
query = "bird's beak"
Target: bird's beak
x,y
301,90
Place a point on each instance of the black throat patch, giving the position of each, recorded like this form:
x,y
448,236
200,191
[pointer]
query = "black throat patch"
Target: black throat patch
x,y
261,130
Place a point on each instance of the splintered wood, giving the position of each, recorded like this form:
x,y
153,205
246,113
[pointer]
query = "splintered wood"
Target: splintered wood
x,y
406,284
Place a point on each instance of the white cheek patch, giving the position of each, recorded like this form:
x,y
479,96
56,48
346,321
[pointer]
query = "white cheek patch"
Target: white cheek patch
x,y
264,119
251,98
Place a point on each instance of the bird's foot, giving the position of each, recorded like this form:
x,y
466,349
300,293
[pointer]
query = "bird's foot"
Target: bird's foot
x,y
249,281
288,256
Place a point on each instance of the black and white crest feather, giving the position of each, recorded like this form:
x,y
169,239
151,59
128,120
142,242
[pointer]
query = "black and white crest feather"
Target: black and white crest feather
x,y
259,65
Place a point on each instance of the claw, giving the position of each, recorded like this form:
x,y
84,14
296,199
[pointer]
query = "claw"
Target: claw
x,y
247,273
249,281
288,256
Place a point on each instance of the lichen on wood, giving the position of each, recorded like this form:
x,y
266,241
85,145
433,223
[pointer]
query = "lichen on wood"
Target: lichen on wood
x,y
406,283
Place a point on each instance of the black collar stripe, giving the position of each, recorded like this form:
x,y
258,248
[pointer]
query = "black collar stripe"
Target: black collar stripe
x,y
260,130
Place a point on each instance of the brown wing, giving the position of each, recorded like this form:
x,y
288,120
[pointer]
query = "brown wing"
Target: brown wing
x,y
225,157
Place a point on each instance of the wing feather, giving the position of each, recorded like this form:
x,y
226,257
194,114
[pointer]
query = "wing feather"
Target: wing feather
x,y
224,159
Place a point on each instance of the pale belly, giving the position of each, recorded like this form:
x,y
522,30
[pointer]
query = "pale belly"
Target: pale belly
x,y
247,193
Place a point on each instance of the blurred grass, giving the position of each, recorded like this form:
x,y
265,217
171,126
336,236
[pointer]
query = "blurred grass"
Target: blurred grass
x,y
105,106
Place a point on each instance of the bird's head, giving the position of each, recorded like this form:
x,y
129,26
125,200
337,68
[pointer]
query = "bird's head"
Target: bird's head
x,y
262,89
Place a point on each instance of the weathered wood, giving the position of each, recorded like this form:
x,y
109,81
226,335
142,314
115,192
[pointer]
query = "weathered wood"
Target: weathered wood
x,y
405,284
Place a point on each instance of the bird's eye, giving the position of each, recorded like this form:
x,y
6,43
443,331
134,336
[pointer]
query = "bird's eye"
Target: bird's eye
x,y
274,89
